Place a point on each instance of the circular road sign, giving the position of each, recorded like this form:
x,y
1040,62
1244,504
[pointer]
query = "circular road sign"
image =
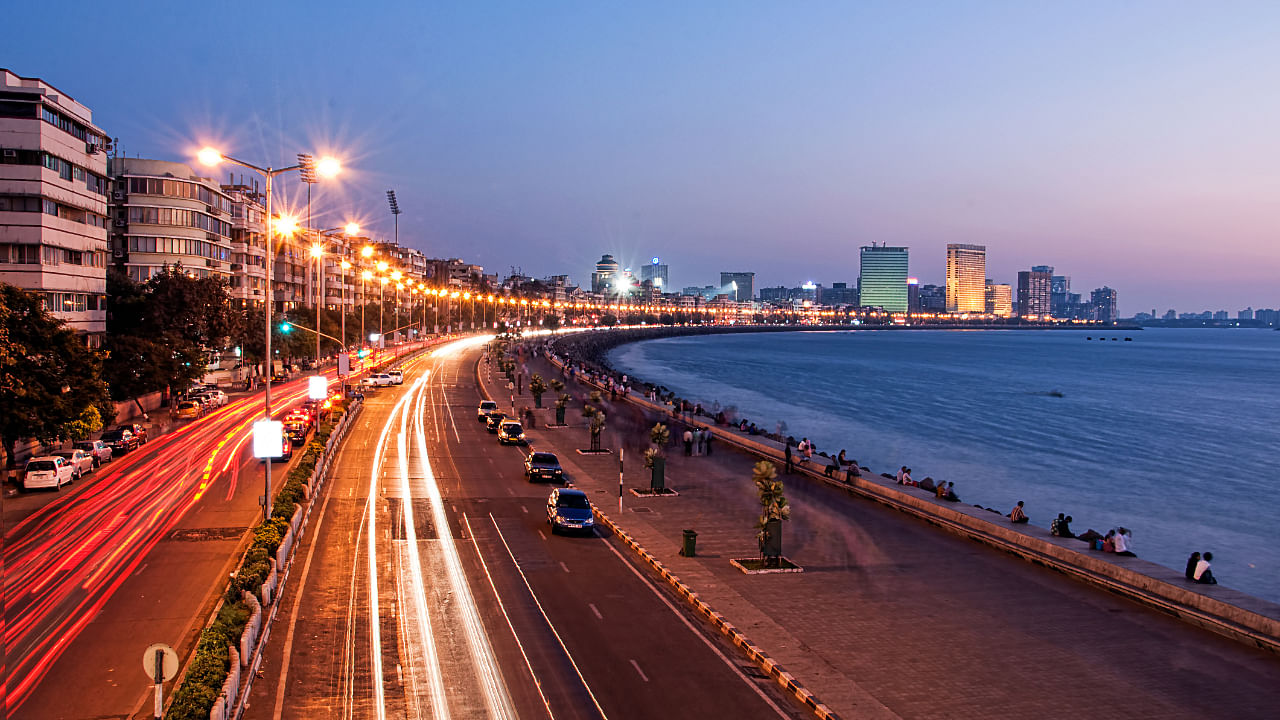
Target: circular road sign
x,y
168,666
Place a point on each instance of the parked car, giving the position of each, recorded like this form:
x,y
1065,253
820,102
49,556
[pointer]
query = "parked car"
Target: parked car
x,y
286,452
120,441
48,471
383,379
511,433
80,460
493,420
99,450
189,410
397,376
138,431
569,509
219,397
543,466
486,407
297,430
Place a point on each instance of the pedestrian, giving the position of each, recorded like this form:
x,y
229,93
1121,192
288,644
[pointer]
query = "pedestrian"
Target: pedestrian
x,y
1203,573
1018,515
698,440
688,442
787,466
707,439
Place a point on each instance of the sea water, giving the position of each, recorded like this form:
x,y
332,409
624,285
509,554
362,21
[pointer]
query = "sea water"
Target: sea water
x,y
1172,434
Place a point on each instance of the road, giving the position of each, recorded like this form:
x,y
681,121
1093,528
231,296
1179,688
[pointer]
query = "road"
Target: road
x,y
431,587
130,555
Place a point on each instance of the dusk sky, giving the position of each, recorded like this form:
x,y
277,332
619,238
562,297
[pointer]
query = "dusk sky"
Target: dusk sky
x,y
1133,144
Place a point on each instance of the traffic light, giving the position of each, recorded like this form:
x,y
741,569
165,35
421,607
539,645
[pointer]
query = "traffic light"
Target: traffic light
x,y
364,353
285,327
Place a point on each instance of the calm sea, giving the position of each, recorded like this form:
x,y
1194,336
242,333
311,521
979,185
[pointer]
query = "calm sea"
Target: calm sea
x,y
1173,435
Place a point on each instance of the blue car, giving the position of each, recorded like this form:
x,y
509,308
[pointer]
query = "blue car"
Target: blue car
x,y
569,509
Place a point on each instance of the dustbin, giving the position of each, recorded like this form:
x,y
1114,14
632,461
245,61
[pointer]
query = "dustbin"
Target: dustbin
x,y
690,543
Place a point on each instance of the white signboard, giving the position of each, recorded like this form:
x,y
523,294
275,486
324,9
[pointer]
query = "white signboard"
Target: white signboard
x,y
317,387
168,662
268,439
344,363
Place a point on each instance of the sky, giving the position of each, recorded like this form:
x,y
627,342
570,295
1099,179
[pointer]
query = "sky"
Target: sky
x,y
1132,144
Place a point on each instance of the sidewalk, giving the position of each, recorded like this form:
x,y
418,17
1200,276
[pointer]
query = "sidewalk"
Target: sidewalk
x,y
891,616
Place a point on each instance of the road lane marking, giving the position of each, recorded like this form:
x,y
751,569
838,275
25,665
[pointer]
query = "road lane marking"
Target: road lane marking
x,y
544,537
503,607
595,610
524,509
545,618
563,566
636,665
736,670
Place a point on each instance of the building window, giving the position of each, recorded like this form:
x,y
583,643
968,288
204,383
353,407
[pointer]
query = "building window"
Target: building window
x,y
20,203
20,254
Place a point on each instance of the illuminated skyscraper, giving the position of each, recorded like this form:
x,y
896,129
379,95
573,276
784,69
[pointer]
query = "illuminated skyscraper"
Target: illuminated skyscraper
x,y
999,300
966,278
882,278
740,286
656,273
606,271
1033,293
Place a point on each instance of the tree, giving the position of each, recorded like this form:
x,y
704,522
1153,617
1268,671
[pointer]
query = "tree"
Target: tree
x,y
655,458
773,510
537,386
50,383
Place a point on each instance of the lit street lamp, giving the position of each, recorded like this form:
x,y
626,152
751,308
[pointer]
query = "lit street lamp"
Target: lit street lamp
x,y
327,167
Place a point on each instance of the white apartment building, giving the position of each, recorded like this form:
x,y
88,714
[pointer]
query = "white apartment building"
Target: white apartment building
x,y
166,215
53,202
248,281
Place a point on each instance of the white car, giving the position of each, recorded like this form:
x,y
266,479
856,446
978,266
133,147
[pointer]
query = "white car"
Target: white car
x,y
79,459
218,398
486,407
382,379
397,377
48,471
96,448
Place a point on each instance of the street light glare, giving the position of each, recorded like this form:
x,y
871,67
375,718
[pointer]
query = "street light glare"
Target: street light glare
x,y
317,250
367,275
286,225
395,275
328,167
382,266
366,251
352,228
208,156
346,265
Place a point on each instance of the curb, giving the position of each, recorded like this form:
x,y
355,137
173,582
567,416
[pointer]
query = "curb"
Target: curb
x,y
736,636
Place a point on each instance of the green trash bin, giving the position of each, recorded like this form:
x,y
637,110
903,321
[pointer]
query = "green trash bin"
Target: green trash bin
x,y
690,544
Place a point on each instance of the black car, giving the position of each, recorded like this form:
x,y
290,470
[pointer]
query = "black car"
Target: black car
x,y
543,466
493,421
120,441
296,431
138,431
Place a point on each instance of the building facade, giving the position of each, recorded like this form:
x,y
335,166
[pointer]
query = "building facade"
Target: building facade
x,y
53,202
1103,301
966,278
739,286
248,280
882,278
606,271
999,300
1033,293
656,273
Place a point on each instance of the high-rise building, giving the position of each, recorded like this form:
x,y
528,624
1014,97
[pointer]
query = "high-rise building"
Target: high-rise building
x,y
739,286
1245,314
248,246
933,298
53,202
1060,295
999,300
606,271
913,295
165,215
1103,301
966,278
882,278
656,274
1033,292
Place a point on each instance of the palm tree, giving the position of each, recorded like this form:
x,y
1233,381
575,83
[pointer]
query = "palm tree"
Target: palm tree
x,y
537,386
655,457
596,426
773,510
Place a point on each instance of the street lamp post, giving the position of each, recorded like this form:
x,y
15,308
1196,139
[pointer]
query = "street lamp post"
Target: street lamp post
x,y
327,167
317,252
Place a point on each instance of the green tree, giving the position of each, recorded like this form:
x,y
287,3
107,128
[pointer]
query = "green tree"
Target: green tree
x,y
50,383
773,510
537,386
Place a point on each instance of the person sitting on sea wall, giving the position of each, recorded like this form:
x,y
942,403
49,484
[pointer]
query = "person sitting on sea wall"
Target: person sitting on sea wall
x,y
906,478
840,458
1018,516
898,477
950,494
1064,527
1123,541
832,467
1109,541
1203,573
852,472
1191,566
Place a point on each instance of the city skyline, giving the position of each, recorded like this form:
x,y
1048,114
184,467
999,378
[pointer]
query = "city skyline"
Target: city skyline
x,y
678,132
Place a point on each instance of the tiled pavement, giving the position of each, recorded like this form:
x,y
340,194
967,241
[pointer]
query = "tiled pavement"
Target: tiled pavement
x,y
895,617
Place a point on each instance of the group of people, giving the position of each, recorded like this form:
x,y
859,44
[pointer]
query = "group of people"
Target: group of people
x,y
697,441
1199,569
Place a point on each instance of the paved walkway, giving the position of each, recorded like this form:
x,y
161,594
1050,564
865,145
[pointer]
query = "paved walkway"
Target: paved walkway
x,y
893,617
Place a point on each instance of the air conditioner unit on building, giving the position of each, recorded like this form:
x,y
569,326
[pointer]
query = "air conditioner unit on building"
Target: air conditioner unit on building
x,y
117,253
117,195
92,148
10,153
210,263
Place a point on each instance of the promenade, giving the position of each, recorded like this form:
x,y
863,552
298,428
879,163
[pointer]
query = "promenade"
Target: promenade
x,y
894,617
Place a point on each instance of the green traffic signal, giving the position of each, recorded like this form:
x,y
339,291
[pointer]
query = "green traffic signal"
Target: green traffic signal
x,y
285,327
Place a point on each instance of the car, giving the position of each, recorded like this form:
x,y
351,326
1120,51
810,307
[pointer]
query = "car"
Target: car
x,y
286,452
211,399
189,410
493,420
120,441
297,430
486,407
80,460
219,397
48,471
511,432
543,466
397,377
138,431
383,379
96,448
569,509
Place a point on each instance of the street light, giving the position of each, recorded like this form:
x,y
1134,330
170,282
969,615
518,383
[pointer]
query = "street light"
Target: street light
x,y
329,167
365,276
317,252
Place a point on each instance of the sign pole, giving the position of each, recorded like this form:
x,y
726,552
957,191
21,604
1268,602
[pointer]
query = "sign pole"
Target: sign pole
x,y
620,452
159,676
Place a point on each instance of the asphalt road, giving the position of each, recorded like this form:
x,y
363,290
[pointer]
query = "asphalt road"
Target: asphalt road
x,y
479,611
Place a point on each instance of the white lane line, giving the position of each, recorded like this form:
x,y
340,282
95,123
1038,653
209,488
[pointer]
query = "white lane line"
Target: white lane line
x,y
544,537
466,521
524,509
563,566
595,611
694,630
547,619
636,665
497,698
